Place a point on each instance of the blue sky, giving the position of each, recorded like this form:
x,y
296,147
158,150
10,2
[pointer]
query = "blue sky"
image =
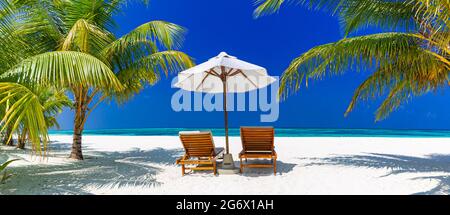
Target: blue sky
x,y
272,42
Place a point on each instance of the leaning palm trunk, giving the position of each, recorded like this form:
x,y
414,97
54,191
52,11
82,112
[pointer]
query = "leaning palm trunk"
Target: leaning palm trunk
x,y
22,139
6,138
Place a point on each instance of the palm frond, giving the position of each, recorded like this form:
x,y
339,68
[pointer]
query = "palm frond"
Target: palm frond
x,y
25,110
153,34
141,42
97,12
41,20
53,101
4,165
349,54
148,70
65,69
433,17
87,38
390,15
266,7
423,74
407,64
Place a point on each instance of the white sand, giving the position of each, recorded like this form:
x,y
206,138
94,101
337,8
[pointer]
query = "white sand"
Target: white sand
x,y
145,165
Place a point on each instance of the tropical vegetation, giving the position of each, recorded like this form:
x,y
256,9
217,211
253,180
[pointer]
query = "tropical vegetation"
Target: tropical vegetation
x,y
62,53
410,57
4,175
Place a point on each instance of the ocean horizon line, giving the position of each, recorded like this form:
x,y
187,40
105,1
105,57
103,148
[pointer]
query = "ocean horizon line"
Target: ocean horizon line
x,y
280,132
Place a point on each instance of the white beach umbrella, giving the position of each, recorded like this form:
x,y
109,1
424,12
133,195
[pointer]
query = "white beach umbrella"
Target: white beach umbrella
x,y
224,74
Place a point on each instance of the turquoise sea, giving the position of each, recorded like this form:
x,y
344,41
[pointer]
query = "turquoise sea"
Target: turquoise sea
x,y
280,132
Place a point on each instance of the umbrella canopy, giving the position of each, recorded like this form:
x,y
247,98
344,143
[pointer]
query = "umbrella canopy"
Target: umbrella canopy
x,y
224,74
208,77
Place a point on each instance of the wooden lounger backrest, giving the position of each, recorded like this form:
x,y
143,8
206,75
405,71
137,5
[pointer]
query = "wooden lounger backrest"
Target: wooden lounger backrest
x,y
257,138
199,144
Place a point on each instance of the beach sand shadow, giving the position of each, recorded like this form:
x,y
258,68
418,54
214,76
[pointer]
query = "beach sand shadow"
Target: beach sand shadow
x,y
397,164
98,170
282,168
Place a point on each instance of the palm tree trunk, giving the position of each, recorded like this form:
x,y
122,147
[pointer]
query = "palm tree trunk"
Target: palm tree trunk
x,y
22,139
6,140
21,144
80,115
76,144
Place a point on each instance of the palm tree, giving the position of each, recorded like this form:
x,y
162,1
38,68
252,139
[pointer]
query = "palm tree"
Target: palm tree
x,y
25,112
86,59
15,48
411,58
53,101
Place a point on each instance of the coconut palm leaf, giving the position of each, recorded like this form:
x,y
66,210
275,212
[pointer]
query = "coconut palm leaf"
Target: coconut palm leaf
x,y
354,14
164,62
148,70
97,12
146,39
12,45
53,102
4,165
266,7
406,64
65,69
7,13
391,15
25,110
87,38
5,176
358,53
401,83
433,17
349,54
41,18
433,11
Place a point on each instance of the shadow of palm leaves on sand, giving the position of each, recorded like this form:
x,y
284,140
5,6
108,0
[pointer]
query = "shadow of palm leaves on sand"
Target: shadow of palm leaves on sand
x,y
282,168
104,169
397,164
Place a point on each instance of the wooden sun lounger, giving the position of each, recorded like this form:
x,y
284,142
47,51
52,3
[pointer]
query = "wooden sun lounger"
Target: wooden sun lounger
x,y
258,143
200,152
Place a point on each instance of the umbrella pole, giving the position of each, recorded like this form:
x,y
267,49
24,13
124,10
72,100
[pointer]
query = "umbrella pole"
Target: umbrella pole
x,y
225,114
228,163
